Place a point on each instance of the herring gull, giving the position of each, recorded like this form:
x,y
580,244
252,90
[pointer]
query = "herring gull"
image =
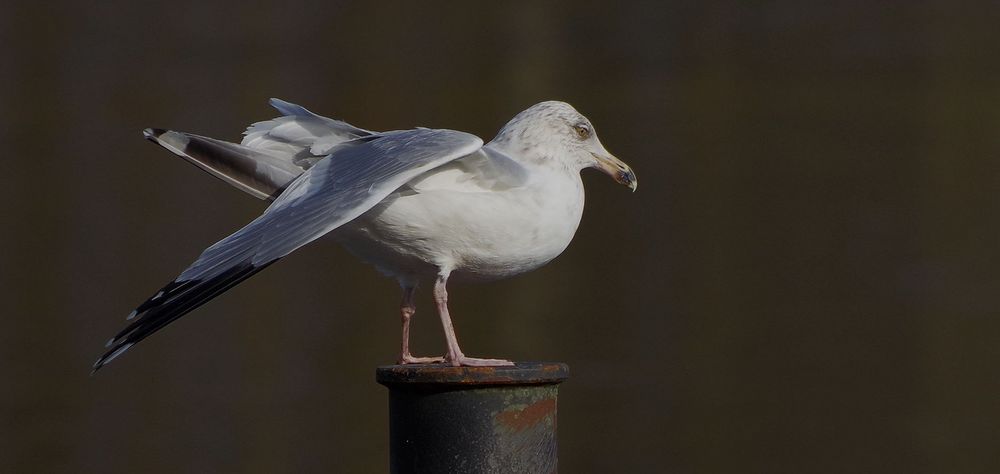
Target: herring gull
x,y
420,205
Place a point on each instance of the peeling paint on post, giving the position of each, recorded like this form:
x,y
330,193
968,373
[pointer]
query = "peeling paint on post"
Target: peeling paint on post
x,y
472,419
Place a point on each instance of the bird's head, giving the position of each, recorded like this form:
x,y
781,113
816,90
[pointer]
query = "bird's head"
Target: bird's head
x,y
554,132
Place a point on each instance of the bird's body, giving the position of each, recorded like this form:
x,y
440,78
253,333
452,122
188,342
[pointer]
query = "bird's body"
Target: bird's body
x,y
420,205
478,234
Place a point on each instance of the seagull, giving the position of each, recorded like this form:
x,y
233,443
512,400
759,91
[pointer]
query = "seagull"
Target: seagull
x,y
420,205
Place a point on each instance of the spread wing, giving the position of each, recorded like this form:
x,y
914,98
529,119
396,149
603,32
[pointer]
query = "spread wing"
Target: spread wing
x,y
272,154
303,136
355,177
259,173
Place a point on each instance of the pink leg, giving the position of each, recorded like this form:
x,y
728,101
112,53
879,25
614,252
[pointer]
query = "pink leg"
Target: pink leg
x,y
455,356
406,310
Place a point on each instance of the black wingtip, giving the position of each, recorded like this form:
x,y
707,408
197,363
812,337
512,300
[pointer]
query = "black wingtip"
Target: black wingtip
x,y
174,300
97,365
109,356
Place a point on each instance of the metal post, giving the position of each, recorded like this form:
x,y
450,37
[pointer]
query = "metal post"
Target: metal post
x,y
472,419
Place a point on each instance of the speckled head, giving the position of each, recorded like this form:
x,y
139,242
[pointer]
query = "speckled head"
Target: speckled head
x,y
553,132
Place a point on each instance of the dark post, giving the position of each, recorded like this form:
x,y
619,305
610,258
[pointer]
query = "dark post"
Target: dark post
x,y
472,419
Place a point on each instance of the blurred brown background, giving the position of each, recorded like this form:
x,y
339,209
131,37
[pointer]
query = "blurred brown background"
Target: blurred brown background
x,y
806,280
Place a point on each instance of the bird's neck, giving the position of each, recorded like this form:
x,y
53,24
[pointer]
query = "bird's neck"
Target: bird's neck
x,y
536,157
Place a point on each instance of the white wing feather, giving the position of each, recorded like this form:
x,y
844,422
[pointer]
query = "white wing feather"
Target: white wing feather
x,y
299,133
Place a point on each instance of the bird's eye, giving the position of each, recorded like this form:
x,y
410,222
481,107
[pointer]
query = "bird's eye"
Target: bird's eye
x,y
582,131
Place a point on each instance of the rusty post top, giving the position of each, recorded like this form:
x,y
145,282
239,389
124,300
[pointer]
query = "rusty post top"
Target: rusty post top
x,y
522,373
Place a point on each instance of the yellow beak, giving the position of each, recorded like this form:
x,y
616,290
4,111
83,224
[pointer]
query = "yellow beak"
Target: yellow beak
x,y
617,169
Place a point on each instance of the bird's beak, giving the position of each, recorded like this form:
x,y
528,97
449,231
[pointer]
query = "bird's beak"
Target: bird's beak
x,y
615,168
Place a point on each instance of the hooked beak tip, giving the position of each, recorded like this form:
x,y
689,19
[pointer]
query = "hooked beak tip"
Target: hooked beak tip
x,y
617,169
628,179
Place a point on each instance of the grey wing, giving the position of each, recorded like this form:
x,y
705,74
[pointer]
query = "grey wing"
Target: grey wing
x,y
495,167
272,154
354,178
260,173
303,136
486,169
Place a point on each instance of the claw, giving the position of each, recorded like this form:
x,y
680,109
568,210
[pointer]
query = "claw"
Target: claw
x,y
408,359
463,361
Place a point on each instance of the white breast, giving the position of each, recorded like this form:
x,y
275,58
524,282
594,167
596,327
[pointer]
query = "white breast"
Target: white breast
x,y
477,235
